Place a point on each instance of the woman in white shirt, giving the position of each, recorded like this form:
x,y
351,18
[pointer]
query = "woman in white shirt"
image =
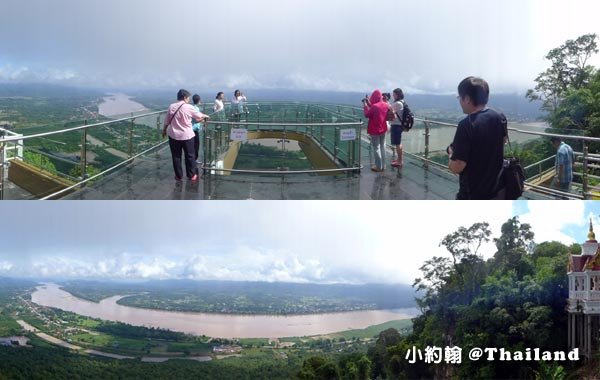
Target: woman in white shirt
x,y
219,106
238,101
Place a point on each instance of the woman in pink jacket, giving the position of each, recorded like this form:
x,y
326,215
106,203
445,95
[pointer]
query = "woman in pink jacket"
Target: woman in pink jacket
x,y
375,110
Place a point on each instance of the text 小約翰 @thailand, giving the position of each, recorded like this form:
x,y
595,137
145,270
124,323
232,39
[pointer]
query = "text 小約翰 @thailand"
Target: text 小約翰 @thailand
x,y
453,355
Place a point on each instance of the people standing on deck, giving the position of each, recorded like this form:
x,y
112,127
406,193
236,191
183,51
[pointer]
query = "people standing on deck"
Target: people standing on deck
x,y
375,109
219,106
396,126
386,99
564,164
477,152
178,126
237,103
197,127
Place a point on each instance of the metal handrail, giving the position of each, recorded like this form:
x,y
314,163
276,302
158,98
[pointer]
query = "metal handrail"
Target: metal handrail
x,y
282,172
102,173
80,127
355,123
539,162
129,118
545,134
18,139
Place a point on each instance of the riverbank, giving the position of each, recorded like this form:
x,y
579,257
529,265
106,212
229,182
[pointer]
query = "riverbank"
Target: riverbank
x,y
217,325
119,104
105,339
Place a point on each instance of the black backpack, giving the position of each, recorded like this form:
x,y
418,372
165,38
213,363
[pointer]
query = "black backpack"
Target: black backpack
x,y
512,175
512,178
408,118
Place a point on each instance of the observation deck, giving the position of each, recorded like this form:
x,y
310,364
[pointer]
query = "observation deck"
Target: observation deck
x,y
253,151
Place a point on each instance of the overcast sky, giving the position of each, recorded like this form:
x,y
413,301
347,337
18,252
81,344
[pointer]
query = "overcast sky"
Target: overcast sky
x,y
352,242
420,45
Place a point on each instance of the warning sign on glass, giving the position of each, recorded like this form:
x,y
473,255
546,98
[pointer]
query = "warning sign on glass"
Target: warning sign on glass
x,y
348,134
239,134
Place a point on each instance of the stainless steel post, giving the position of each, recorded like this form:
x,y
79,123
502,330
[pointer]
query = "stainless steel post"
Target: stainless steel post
x,y
359,137
426,165
130,147
584,176
335,142
158,128
84,153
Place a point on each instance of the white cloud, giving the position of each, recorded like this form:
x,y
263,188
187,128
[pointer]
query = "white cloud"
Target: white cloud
x,y
6,266
352,242
335,44
250,264
550,218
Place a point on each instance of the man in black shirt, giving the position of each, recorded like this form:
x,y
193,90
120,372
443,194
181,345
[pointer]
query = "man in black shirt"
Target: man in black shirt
x,y
477,152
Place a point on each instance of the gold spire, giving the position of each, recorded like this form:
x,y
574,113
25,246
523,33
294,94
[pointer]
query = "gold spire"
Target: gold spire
x,y
591,234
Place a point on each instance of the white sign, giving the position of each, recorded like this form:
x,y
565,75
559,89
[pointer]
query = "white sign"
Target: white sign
x,y
239,134
348,134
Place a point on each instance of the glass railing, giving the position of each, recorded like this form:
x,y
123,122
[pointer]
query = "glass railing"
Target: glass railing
x,y
51,163
70,156
328,140
428,140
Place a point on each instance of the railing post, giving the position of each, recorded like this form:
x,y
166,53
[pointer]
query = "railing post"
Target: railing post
x,y
204,147
211,155
130,146
584,177
158,129
2,145
359,137
426,144
84,152
335,142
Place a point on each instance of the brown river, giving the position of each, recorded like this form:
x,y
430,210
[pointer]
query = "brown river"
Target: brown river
x,y
217,325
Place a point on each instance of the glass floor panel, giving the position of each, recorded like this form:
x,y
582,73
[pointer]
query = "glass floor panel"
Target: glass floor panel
x,y
151,178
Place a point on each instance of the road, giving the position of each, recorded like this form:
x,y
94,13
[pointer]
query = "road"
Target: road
x,y
58,342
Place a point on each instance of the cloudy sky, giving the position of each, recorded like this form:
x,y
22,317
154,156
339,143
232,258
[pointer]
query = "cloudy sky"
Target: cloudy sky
x,y
353,242
421,45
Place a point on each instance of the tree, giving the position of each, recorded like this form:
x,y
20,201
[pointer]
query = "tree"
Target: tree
x,y
580,109
90,172
351,372
569,68
318,368
550,371
512,247
364,368
39,161
463,245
